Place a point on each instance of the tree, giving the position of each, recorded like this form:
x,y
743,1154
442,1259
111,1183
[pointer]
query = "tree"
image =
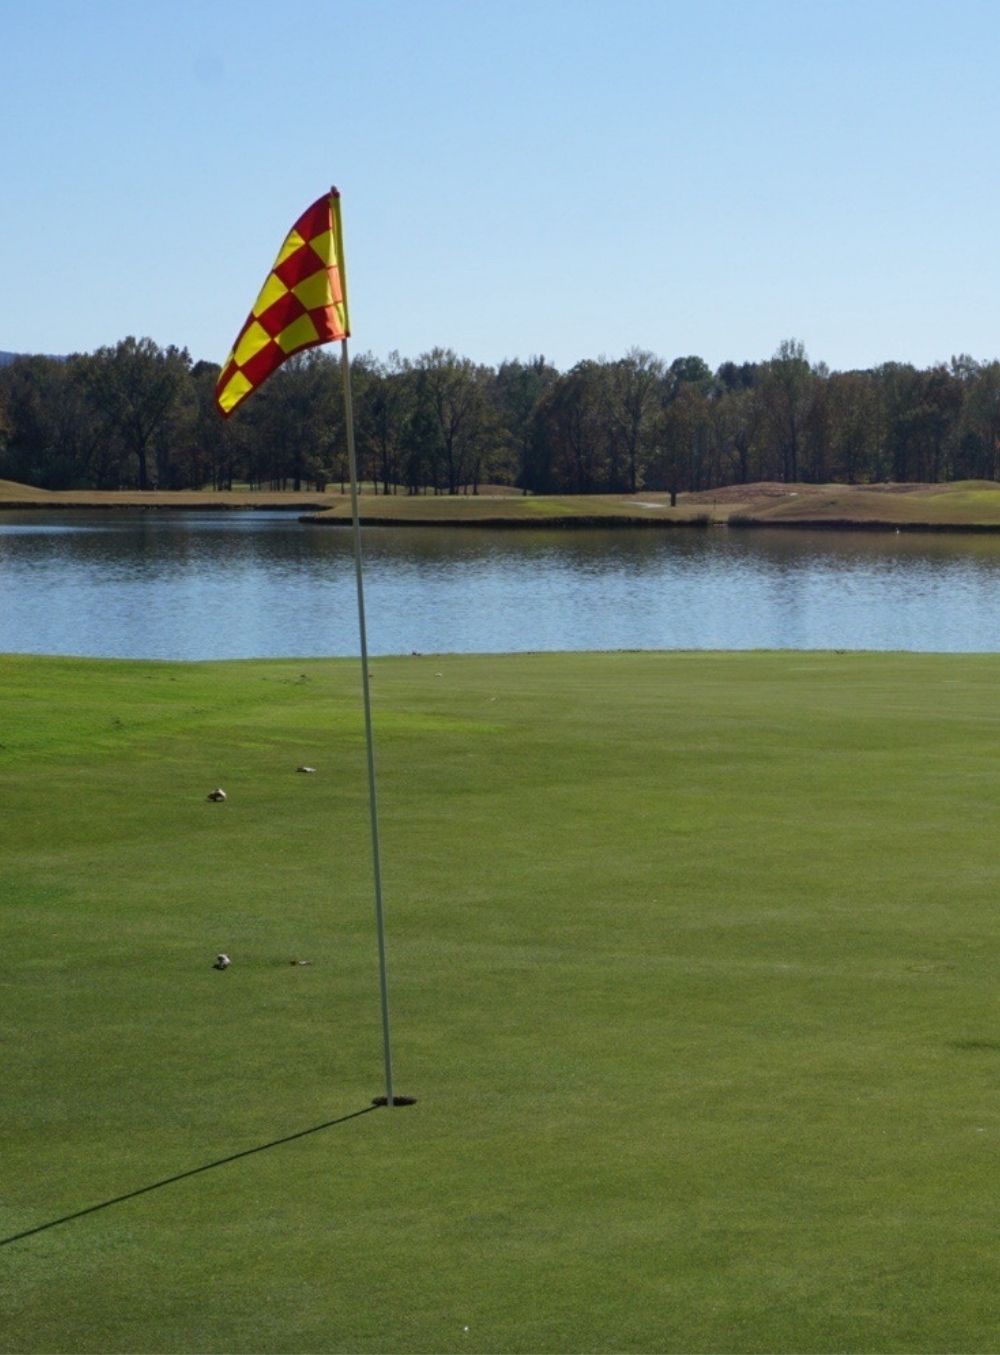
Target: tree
x,y
383,400
571,432
210,449
980,422
298,415
517,390
682,427
852,405
786,386
733,377
138,414
742,416
633,398
690,371
681,440
922,431
134,388
52,439
455,419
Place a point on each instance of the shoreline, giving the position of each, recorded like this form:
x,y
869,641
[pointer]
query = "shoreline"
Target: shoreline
x,y
319,516
859,525
969,507
117,506
582,523
701,521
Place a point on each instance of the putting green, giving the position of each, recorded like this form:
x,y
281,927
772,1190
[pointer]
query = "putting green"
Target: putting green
x,y
693,973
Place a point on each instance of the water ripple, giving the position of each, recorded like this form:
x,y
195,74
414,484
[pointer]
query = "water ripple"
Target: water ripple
x,y
234,585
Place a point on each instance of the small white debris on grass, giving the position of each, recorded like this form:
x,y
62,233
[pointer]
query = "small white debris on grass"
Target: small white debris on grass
x,y
217,794
222,962
305,769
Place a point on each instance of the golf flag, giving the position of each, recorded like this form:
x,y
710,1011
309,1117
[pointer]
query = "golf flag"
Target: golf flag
x,y
303,303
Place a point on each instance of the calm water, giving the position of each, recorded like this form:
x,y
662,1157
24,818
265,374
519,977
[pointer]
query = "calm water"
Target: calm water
x,y
227,585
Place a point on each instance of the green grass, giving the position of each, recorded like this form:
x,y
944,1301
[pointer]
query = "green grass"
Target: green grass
x,y
693,967
514,509
963,503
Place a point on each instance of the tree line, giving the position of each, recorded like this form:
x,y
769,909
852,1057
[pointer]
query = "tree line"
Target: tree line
x,y
135,415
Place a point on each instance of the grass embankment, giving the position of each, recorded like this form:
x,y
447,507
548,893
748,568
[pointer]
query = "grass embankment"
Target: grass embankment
x,y
961,506
495,506
693,967
491,510
14,496
971,505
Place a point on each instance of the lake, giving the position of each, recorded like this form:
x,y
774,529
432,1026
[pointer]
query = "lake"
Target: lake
x,y
260,584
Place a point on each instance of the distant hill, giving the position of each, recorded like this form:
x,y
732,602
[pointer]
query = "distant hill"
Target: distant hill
x,y
7,358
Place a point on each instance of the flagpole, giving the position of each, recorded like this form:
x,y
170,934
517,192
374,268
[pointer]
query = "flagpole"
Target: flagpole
x,y
369,741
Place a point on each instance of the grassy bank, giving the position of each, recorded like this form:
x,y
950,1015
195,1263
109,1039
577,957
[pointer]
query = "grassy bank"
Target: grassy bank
x,y
693,967
17,497
963,506
554,510
495,506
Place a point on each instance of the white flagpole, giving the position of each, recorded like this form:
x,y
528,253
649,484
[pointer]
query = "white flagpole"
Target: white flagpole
x,y
369,742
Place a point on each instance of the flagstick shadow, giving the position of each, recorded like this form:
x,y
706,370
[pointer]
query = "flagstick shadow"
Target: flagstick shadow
x,y
183,1176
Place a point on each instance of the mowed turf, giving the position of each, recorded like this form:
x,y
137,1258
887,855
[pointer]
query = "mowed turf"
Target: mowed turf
x,y
693,965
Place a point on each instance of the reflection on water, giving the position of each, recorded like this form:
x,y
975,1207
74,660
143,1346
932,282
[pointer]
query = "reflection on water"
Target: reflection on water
x,y
215,585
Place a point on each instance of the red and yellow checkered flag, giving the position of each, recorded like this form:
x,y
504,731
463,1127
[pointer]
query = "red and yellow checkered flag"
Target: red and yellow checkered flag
x,y
303,303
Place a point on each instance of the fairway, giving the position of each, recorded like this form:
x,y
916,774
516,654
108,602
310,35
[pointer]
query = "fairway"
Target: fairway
x,y
693,968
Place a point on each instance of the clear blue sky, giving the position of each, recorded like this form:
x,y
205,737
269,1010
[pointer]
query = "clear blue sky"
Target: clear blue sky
x,y
567,177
